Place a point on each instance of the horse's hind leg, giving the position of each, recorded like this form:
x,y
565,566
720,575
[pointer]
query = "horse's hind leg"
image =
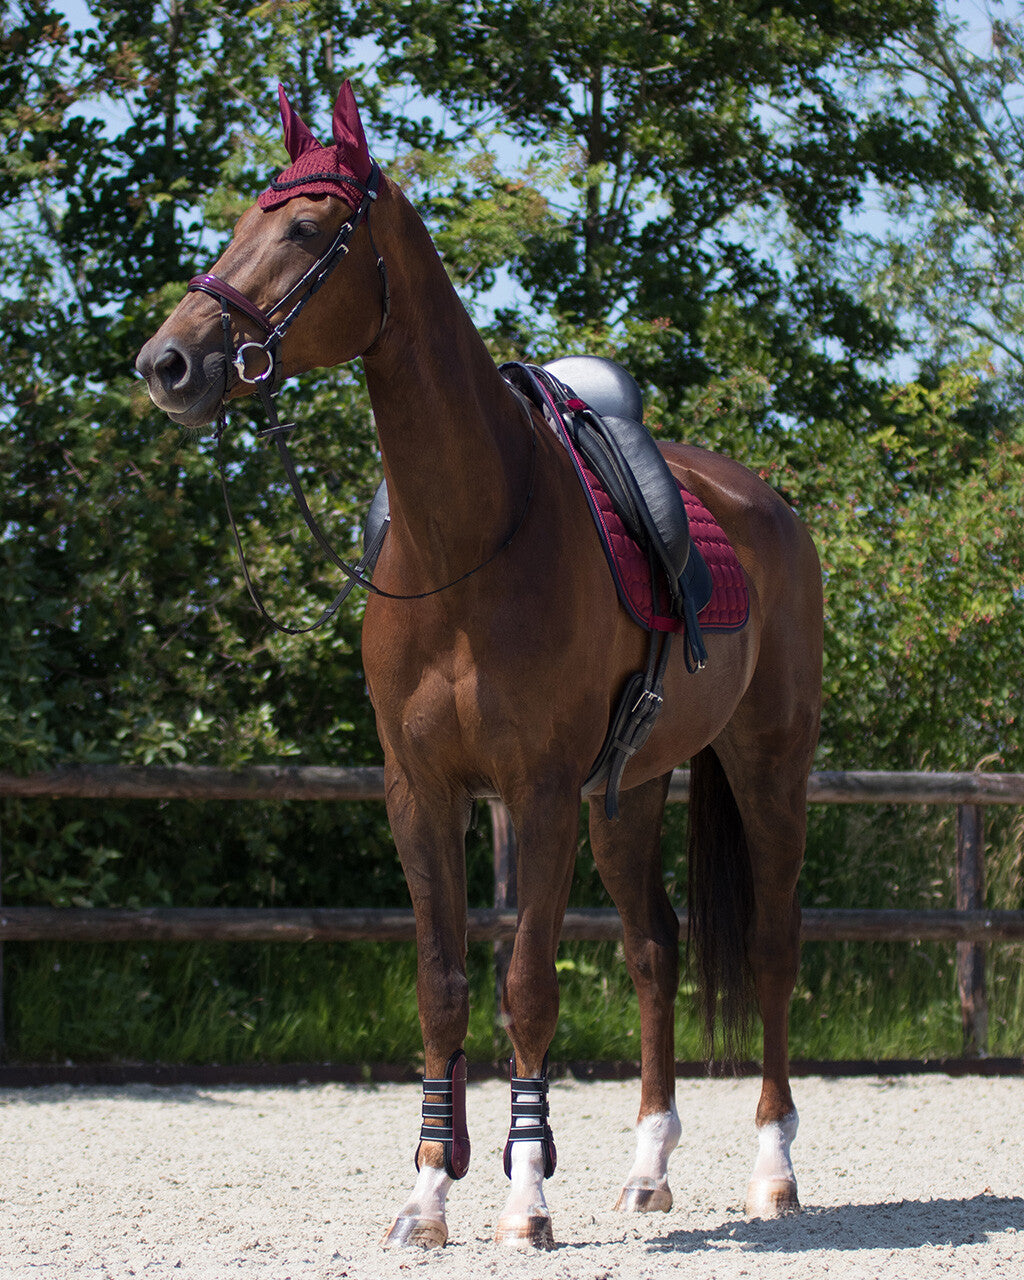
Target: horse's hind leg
x,y
769,790
774,952
627,852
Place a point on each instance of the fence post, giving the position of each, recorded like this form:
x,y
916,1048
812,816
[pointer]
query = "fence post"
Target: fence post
x,y
970,956
504,890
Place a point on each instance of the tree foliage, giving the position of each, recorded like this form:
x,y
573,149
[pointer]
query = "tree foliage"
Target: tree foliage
x,y
685,138
667,183
944,264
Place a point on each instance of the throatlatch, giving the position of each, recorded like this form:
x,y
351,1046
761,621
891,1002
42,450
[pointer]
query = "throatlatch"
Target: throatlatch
x,y
533,1107
449,1115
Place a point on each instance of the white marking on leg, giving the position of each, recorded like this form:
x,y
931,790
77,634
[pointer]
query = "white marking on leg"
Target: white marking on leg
x,y
422,1220
646,1188
773,1144
430,1192
657,1136
772,1188
526,1195
526,1218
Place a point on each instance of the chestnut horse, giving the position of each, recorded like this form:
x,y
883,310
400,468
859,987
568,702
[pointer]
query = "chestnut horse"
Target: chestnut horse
x,y
495,651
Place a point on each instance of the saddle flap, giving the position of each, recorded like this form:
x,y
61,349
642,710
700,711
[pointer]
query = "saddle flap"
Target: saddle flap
x,y
602,462
644,472
634,473
377,520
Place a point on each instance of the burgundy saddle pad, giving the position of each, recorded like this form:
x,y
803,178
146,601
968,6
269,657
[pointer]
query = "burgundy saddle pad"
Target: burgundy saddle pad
x,y
729,606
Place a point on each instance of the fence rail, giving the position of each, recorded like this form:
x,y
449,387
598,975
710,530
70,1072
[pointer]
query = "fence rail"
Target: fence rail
x,y
486,924
969,925
313,782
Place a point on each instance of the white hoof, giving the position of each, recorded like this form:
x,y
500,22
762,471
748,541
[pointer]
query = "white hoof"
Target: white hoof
x,y
529,1231
771,1198
410,1232
421,1224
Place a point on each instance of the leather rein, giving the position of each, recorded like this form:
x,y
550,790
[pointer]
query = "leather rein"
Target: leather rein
x,y
265,385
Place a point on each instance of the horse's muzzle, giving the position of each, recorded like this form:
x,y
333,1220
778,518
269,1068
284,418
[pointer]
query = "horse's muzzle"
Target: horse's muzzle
x,y
189,389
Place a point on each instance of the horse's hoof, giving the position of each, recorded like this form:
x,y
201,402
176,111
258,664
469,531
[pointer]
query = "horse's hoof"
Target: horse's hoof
x,y
772,1198
644,1195
409,1232
532,1230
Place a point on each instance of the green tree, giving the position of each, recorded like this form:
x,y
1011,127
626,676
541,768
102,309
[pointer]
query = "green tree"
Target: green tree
x,y
687,141
672,184
944,261
130,636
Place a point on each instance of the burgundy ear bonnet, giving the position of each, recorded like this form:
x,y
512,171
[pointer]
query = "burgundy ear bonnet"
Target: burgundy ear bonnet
x,y
317,170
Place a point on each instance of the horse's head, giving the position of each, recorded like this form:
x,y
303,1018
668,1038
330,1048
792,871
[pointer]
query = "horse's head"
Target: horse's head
x,y
259,314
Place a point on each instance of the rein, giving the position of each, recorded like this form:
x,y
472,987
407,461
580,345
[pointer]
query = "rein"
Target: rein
x,y
356,573
228,296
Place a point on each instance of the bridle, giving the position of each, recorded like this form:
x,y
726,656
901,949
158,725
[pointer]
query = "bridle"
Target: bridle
x,y
300,292
265,384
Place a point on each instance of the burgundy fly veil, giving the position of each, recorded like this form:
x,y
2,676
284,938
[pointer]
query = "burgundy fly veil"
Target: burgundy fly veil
x,y
338,170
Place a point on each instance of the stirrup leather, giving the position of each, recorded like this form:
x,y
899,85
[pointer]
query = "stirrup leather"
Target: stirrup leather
x,y
535,1109
451,1129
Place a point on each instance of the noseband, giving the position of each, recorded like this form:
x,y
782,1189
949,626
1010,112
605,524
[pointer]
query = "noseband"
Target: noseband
x,y
297,296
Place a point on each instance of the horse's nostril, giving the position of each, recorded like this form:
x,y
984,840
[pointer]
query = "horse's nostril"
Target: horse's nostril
x,y
171,367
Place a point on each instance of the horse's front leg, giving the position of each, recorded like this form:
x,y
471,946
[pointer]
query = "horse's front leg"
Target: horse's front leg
x,y
429,830
546,827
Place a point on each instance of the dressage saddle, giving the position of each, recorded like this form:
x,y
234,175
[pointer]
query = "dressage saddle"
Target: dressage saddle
x,y
612,439
607,430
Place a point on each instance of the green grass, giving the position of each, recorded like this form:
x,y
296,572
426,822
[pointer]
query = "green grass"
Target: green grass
x,y
355,1003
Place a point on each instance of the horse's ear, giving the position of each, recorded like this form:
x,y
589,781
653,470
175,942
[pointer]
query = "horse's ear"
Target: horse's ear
x,y
297,137
348,132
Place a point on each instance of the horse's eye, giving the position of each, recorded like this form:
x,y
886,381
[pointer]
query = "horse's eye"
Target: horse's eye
x,y
305,229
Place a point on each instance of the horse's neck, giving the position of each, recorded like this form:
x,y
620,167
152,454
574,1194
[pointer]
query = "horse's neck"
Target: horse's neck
x,y
453,438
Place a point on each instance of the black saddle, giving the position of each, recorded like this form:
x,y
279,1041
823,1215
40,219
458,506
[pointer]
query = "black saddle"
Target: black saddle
x,y
635,475
630,466
607,387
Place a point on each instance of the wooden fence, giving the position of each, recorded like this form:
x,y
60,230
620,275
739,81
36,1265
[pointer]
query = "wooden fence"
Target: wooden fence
x,y
969,924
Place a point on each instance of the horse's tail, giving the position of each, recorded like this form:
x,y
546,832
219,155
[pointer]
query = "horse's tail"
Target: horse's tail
x,y
721,903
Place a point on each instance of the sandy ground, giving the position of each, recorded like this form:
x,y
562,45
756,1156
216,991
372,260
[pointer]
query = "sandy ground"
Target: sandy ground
x,y
913,1177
